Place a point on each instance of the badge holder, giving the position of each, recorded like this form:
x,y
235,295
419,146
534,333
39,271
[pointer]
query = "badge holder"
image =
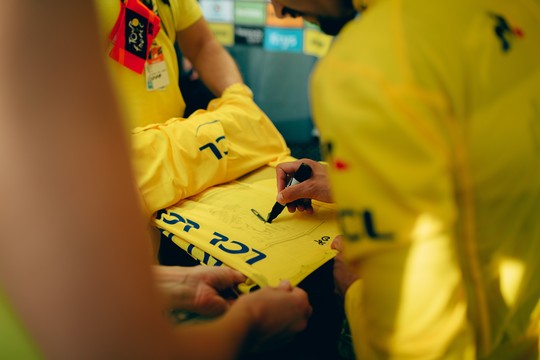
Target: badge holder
x,y
132,35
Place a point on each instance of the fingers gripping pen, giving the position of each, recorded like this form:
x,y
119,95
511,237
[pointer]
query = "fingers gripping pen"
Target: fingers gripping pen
x,y
303,173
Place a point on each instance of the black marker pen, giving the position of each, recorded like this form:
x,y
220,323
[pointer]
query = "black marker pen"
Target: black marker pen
x,y
303,173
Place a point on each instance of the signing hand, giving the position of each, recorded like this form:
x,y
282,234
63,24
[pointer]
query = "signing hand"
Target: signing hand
x,y
298,197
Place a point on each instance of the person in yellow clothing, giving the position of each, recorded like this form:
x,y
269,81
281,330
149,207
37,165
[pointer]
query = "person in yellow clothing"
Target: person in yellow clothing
x,y
429,114
176,157
148,90
167,149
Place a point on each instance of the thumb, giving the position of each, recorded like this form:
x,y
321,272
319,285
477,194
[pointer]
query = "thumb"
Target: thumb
x,y
290,194
281,199
337,243
285,285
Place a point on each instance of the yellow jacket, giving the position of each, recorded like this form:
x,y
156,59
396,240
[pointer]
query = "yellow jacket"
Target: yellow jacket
x,y
429,112
182,157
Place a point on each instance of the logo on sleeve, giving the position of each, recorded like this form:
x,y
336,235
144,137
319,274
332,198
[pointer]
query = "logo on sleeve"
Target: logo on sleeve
x,y
327,149
505,32
360,224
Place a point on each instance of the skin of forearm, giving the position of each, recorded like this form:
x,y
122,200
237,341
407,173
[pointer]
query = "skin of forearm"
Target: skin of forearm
x,y
216,67
227,334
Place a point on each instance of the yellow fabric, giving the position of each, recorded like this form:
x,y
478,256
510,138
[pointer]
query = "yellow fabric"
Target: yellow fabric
x,y
14,341
430,114
140,106
218,226
182,157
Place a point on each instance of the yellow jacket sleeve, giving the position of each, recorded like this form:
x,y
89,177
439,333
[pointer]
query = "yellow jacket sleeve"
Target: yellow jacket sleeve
x,y
182,157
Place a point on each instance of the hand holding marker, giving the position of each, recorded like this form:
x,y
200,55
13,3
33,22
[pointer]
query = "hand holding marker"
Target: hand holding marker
x,y
303,173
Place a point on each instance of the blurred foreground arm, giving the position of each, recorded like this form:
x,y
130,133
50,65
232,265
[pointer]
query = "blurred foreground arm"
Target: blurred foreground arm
x,y
74,250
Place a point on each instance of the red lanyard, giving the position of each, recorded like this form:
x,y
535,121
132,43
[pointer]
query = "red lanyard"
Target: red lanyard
x,y
133,33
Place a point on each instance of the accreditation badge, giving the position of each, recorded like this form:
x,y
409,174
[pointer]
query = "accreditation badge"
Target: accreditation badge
x,y
133,33
157,76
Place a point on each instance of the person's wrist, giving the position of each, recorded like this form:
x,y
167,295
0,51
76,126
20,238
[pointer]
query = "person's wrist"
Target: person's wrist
x,y
243,320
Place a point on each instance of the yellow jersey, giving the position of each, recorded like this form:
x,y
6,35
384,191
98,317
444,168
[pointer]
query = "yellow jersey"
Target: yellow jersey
x,y
429,113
